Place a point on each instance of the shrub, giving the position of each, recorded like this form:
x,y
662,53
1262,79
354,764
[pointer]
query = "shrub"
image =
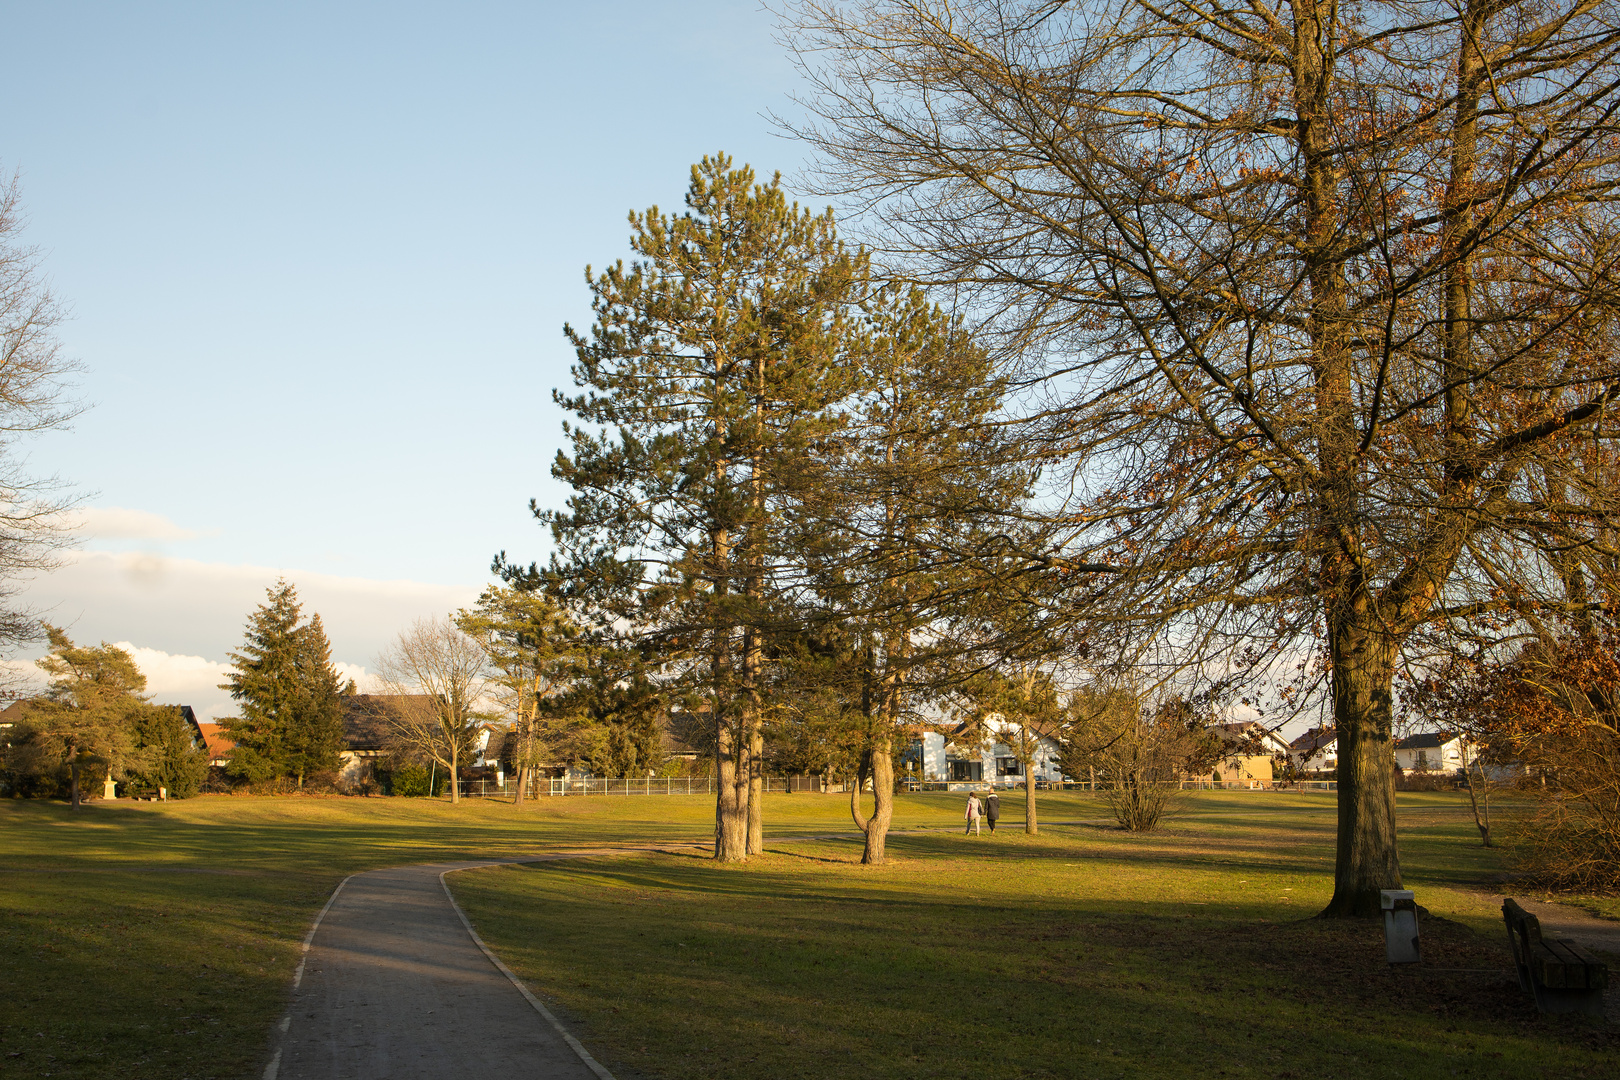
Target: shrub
x,y
410,780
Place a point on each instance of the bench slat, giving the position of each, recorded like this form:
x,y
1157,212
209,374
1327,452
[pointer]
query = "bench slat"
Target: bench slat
x,y
1562,975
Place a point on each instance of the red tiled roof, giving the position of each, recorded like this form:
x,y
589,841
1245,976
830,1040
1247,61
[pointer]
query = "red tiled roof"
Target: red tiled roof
x,y
218,743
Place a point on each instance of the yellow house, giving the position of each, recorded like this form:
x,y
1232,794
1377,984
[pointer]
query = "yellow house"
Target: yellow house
x,y
1249,748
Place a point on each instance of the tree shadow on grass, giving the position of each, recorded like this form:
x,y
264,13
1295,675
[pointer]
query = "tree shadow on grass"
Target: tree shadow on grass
x,y
936,972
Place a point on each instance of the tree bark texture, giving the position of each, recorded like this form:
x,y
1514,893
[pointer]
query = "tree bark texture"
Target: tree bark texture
x,y
1366,860
754,734
730,815
879,765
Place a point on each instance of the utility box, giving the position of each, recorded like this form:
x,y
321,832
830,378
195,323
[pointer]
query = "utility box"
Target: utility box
x,y
1400,926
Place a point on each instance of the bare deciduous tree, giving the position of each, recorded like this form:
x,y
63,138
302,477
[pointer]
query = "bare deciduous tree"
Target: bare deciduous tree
x,y
1315,304
34,397
434,677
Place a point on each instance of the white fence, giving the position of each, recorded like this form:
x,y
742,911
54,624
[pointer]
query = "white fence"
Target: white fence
x,y
705,785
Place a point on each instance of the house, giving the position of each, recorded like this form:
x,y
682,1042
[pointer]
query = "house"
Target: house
x,y
365,735
1440,752
1249,751
211,736
1315,751
13,714
974,754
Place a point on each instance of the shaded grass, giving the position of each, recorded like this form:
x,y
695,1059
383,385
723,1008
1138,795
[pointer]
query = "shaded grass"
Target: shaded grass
x,y
1082,952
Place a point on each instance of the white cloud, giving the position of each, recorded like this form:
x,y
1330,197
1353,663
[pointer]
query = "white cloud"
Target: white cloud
x,y
173,679
177,679
121,523
187,609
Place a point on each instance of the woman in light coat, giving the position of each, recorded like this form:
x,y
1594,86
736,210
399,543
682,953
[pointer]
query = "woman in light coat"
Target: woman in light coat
x,y
974,812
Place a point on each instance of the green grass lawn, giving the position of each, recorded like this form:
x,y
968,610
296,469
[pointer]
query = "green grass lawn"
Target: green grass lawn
x,y
1084,952
159,939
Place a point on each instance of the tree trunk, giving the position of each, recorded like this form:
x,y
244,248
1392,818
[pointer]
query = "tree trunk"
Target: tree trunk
x,y
73,771
1367,860
730,818
1030,748
1031,826
1482,807
455,775
753,733
756,786
877,827
523,785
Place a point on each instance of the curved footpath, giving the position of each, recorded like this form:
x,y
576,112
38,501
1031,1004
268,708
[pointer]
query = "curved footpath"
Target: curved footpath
x,y
396,985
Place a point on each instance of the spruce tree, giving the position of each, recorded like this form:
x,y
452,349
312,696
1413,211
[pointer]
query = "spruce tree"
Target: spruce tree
x,y
290,725
313,733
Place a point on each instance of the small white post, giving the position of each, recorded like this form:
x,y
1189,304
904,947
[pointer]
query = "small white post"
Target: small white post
x,y
1400,926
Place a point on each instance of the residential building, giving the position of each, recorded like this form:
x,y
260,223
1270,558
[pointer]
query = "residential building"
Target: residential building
x,y
1250,752
1439,752
974,754
1315,751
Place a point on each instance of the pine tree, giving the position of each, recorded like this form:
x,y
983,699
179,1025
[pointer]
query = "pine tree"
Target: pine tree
x,y
290,725
87,717
715,358
533,644
894,532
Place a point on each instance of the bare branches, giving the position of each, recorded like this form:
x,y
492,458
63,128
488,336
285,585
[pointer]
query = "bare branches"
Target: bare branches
x,y
433,678
34,397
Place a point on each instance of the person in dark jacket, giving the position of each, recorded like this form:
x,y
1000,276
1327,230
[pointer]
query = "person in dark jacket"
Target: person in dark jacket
x,y
992,809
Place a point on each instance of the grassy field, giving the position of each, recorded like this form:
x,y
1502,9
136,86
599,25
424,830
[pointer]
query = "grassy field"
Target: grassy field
x,y
159,939
148,940
1084,952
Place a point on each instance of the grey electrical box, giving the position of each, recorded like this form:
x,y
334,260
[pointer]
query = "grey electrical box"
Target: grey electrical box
x,y
1400,926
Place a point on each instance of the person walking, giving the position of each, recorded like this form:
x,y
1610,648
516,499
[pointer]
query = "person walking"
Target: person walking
x,y
973,813
992,809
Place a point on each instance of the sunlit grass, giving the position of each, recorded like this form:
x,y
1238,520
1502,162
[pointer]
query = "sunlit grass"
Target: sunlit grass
x,y
1082,952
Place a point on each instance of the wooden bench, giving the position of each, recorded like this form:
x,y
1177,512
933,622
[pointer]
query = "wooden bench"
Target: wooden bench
x,y
1562,976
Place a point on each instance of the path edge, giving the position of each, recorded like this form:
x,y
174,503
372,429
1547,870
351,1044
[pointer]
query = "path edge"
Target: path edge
x,y
539,1006
274,1067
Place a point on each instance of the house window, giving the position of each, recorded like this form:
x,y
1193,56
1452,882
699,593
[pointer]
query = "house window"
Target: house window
x,y
1423,759
1007,766
966,770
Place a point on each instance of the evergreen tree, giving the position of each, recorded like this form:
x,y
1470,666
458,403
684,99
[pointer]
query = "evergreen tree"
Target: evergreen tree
x,y
894,531
712,361
87,717
534,646
167,756
290,724
96,715
313,734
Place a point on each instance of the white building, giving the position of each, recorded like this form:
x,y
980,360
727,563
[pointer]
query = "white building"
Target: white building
x,y
1438,752
962,758
1315,751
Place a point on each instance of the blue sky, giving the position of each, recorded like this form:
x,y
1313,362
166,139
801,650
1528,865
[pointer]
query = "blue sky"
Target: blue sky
x,y
318,258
